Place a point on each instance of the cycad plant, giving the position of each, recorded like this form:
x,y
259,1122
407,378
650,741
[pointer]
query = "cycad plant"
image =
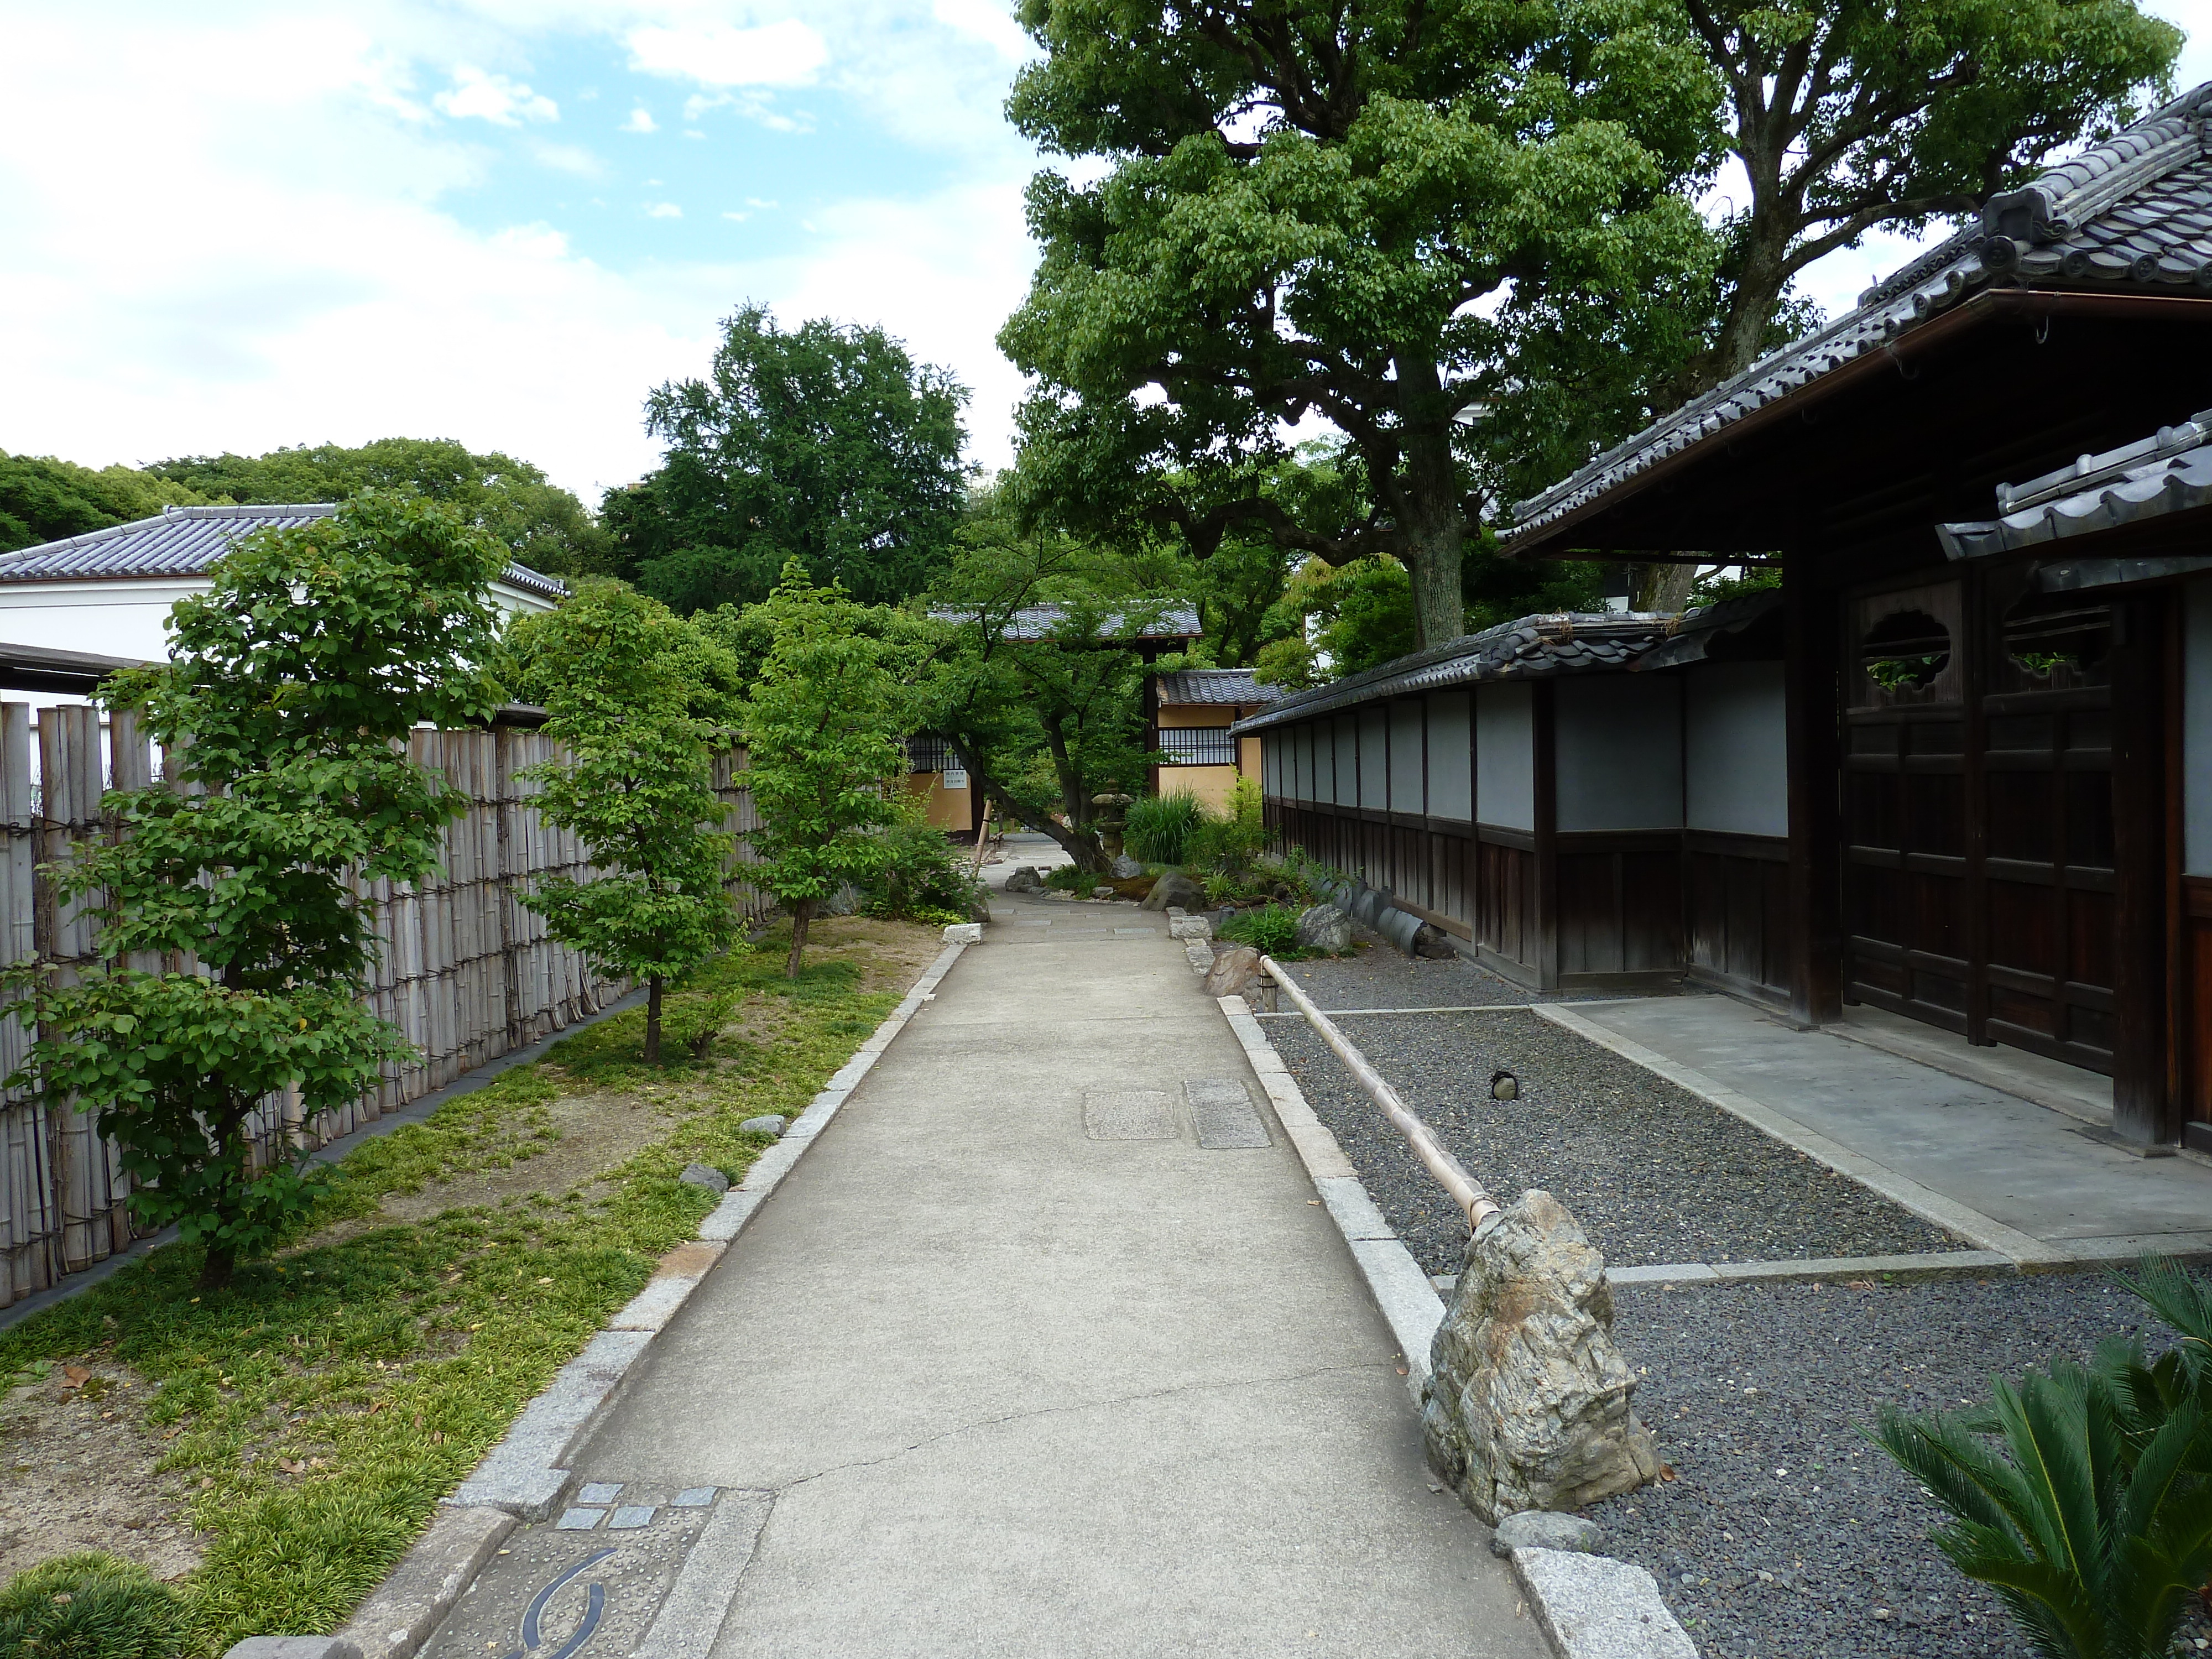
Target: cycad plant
x,y
2084,1496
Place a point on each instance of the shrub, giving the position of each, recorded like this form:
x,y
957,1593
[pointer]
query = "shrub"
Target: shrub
x,y
1160,828
1069,878
90,1607
1271,929
2083,1496
922,874
1231,841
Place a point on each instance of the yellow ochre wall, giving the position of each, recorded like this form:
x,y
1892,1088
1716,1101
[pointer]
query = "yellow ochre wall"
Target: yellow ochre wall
x,y
1211,784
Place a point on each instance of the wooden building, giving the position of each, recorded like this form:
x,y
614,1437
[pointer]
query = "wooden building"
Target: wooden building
x,y
1565,796
1994,693
1192,710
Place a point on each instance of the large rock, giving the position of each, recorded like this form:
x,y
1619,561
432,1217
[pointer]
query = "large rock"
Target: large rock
x,y
1325,928
1024,878
1434,944
1527,1403
1234,971
1124,868
1177,888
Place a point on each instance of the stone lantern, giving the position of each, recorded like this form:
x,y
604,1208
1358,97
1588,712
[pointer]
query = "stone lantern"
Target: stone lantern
x,y
1111,819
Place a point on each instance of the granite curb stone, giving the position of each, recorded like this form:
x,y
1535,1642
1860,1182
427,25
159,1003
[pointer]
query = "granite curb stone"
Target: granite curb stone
x,y
401,1613
1593,1606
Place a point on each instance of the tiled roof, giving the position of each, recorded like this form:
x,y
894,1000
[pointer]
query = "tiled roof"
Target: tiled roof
x,y
1534,648
1040,622
1697,635
1215,685
184,541
2170,472
2134,212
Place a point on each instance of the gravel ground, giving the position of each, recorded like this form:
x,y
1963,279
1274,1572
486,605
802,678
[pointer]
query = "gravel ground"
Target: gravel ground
x,y
1654,1174
1378,976
1757,1394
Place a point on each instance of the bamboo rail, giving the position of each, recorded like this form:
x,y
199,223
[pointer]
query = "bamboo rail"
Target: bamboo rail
x,y
466,971
1466,1191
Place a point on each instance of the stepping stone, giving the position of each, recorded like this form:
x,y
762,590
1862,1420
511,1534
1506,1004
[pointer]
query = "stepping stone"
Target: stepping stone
x,y
601,1492
578,1520
630,1516
694,1498
1223,1110
1128,1115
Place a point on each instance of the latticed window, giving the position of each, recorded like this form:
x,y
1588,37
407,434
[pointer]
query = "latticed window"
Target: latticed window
x,y
1198,745
928,754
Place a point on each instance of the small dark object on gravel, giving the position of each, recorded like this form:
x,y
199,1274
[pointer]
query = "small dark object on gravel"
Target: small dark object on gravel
x,y
1652,1173
1787,1533
1504,1086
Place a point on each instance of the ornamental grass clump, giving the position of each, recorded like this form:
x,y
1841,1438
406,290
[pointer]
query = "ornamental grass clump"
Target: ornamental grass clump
x,y
1271,929
2083,1495
89,1606
1159,829
284,709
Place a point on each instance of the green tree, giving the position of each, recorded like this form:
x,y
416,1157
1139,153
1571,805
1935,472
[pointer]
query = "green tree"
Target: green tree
x,y
826,444
638,700
42,498
1346,214
541,525
822,736
285,708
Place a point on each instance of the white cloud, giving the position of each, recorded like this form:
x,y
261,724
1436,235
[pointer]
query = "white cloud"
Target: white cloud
x,y
736,218
570,159
780,54
641,120
494,98
663,211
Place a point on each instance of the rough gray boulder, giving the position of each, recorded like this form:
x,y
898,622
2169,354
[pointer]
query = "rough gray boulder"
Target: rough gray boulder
x,y
698,1174
1024,878
771,1123
1527,1406
1234,971
1124,868
1545,1529
1177,888
1325,928
1434,944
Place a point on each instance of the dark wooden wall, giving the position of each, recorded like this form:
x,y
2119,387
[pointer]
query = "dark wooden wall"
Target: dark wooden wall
x,y
1736,911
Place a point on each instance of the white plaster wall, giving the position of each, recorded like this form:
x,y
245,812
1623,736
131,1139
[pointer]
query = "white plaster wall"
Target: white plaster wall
x,y
1408,789
1504,758
1301,762
1345,730
1271,764
2197,728
1374,758
1451,772
1619,753
1735,744
1324,762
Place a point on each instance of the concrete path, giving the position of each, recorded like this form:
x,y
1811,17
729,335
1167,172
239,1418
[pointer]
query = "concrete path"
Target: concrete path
x,y
1045,1349
2035,1169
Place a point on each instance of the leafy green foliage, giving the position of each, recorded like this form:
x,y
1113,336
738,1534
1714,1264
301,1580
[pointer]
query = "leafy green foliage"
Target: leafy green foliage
x,y
1273,929
822,731
89,1606
1235,838
1357,216
923,875
827,445
2091,1514
1157,828
285,708
42,498
540,525
624,682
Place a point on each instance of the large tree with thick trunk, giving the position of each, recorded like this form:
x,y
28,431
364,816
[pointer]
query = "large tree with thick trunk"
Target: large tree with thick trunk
x,y
1317,209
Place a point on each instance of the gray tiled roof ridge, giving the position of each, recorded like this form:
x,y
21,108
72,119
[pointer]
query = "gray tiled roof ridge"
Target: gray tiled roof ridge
x,y
2015,238
169,514
1614,629
2170,472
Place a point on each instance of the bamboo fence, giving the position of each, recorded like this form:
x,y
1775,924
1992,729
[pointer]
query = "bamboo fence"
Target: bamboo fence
x,y
467,972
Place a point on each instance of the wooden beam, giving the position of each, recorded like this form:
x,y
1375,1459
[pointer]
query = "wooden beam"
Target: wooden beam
x,y
1813,634
2140,1100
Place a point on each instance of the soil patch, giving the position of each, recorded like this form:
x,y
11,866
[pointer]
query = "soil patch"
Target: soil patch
x,y
597,1131
896,952
76,1473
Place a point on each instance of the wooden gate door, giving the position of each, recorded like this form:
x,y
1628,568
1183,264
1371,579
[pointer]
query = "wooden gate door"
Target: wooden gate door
x,y
1978,794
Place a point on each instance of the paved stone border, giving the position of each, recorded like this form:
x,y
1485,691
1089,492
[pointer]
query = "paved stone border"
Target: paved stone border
x,y
1987,1232
1593,1606
1827,1269
522,1478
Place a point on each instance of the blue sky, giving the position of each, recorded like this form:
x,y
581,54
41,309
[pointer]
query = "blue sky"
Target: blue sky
x,y
240,223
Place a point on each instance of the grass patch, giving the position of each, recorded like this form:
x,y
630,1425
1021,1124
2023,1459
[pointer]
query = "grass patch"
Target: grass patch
x,y
321,1406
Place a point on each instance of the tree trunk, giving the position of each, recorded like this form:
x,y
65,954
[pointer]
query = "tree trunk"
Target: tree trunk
x,y
1662,587
802,912
1434,561
216,1271
653,1020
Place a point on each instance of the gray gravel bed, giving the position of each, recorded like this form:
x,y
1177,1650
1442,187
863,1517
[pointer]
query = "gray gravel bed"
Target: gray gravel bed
x,y
1653,1172
1757,1394
1380,976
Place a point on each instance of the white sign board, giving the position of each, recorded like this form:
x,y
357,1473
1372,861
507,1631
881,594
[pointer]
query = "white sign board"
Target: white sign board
x,y
955,778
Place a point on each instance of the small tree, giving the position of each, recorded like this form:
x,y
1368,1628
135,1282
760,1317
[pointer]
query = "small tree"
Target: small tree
x,y
285,710
822,731
632,691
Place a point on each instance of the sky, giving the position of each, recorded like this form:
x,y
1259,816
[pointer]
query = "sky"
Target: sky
x,y
236,224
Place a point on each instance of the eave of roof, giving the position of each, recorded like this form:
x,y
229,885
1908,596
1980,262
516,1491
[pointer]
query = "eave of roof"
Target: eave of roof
x,y
1199,687
2166,473
1530,647
2073,226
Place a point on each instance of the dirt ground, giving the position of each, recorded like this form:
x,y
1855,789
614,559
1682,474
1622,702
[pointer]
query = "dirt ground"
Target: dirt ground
x,y
76,1474
901,950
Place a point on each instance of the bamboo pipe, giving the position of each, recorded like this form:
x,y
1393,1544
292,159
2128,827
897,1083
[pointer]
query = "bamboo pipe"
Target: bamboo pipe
x,y
1466,1191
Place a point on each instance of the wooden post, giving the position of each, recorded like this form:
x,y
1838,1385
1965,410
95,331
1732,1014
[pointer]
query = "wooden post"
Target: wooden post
x,y
1812,632
2140,918
1543,737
